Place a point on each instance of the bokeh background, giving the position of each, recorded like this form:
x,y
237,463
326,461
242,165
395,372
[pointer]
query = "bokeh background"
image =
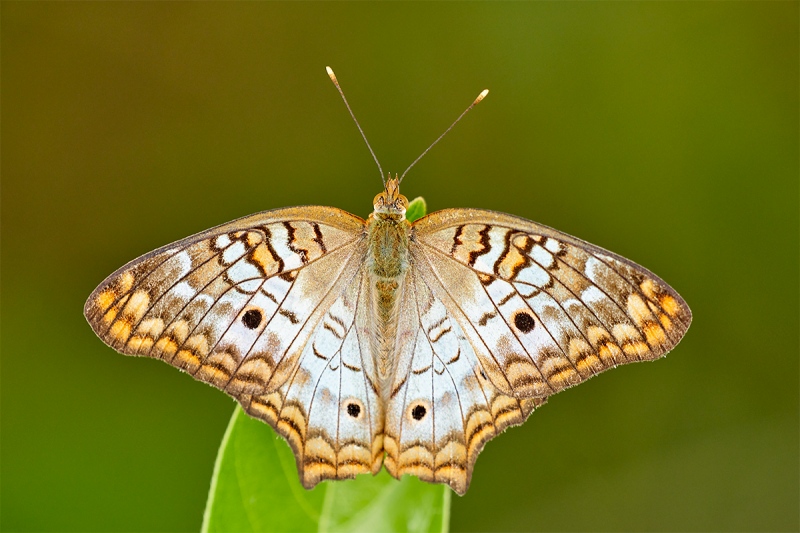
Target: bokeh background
x,y
667,132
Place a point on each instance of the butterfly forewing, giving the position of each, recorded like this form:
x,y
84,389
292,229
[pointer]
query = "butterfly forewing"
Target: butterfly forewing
x,y
234,305
551,310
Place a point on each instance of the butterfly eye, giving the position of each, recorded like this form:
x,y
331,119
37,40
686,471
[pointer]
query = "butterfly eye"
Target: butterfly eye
x,y
524,321
252,318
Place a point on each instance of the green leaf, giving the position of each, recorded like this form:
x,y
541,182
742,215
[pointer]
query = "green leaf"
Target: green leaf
x,y
255,487
381,503
416,209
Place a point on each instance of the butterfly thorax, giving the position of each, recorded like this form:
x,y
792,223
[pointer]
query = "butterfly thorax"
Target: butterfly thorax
x,y
386,265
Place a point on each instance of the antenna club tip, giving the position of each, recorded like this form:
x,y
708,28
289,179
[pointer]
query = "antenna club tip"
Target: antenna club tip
x,y
482,95
331,75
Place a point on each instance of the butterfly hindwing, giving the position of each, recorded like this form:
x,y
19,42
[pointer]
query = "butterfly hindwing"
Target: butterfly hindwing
x,y
328,410
551,309
234,305
442,408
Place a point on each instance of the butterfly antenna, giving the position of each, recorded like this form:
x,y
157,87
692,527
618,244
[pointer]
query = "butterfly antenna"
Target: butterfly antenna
x,y
332,76
473,104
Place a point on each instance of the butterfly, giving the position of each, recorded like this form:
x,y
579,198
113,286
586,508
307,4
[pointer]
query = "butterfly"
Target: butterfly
x,y
381,342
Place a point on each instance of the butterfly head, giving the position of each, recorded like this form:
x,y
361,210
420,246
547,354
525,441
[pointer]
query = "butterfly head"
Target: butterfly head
x,y
390,203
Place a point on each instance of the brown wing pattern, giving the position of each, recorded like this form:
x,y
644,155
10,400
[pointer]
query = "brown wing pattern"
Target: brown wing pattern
x,y
543,310
235,305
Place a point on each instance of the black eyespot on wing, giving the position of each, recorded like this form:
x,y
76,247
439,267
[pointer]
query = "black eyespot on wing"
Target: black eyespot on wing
x,y
252,318
353,410
418,413
524,322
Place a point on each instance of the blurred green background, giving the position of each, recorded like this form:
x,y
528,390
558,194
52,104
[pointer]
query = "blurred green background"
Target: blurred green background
x,y
667,132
